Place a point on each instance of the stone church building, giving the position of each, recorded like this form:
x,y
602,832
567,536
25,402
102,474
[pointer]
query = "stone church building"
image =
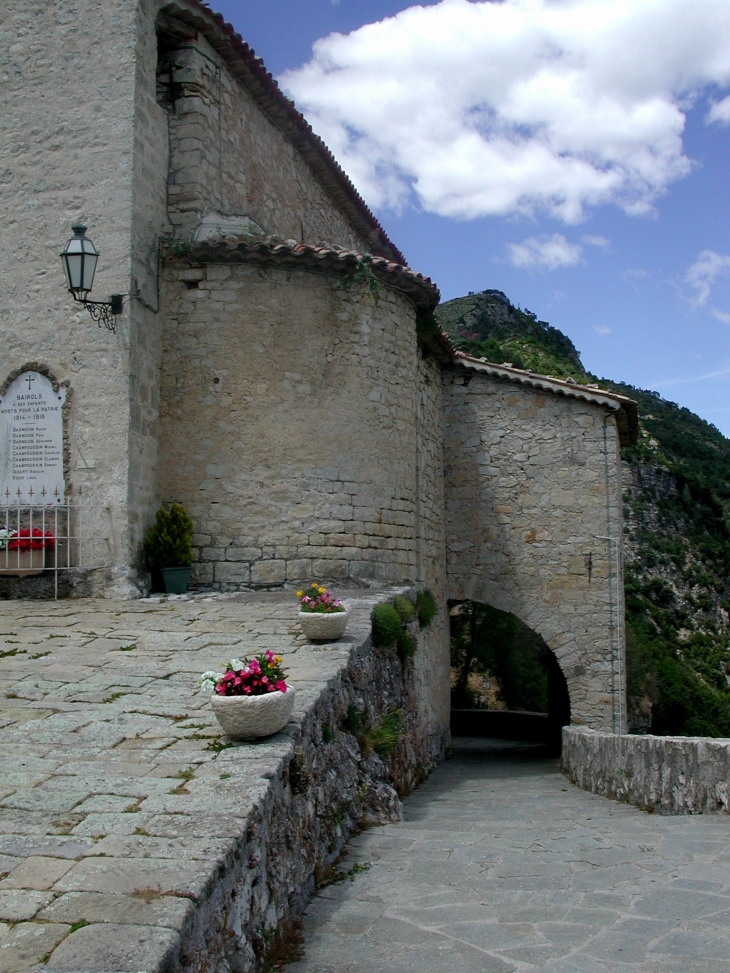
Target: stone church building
x,y
277,367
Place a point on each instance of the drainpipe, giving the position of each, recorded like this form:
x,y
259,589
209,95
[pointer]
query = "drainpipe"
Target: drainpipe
x,y
609,540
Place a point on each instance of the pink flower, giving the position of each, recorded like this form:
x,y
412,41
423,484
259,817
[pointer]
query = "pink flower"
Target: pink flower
x,y
281,686
254,665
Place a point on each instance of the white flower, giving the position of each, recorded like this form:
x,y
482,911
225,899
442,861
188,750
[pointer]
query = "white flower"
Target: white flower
x,y
237,665
209,680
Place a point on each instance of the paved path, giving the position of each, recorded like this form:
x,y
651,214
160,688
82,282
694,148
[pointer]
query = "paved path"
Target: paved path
x,y
503,865
117,799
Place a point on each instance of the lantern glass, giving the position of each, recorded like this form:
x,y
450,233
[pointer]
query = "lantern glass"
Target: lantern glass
x,y
79,260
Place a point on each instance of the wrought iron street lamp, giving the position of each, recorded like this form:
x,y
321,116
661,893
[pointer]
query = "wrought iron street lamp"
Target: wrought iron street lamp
x,y
79,259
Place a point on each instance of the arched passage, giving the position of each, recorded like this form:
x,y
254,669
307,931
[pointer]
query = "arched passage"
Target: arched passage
x,y
534,519
505,681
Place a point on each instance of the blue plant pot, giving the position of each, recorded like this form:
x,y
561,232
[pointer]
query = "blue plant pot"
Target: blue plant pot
x,y
176,580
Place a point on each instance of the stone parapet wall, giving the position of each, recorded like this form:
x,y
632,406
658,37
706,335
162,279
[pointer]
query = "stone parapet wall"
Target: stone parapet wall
x,y
134,835
533,489
670,775
319,791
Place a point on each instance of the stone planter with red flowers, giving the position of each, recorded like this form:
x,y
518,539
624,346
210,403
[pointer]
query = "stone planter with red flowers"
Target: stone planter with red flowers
x,y
250,698
23,552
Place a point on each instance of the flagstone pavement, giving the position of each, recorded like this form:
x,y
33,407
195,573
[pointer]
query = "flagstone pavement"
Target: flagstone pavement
x,y
502,865
117,798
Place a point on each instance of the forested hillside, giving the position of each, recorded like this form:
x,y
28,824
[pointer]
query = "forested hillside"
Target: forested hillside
x,y
676,484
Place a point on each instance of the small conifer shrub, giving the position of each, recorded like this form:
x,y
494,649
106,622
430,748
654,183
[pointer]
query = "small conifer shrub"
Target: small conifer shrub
x,y
406,647
167,543
387,626
426,608
405,608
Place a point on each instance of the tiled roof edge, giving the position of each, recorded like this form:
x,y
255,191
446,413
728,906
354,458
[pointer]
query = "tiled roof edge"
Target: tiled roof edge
x,y
250,71
627,417
289,253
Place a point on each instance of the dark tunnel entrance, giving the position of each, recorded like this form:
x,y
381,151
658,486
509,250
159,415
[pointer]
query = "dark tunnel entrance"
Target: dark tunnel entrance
x,y
505,681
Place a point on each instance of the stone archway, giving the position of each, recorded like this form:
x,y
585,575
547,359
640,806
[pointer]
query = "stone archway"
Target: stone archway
x,y
534,521
505,680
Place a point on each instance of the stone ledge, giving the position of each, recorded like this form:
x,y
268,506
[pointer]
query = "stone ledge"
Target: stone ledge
x,y
669,775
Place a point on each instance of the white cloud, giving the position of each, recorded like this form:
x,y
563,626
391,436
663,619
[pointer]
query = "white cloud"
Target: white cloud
x,y
687,381
597,241
602,329
480,108
547,253
721,316
719,112
707,269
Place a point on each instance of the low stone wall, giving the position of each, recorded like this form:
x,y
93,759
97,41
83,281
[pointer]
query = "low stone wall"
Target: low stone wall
x,y
160,844
670,775
320,791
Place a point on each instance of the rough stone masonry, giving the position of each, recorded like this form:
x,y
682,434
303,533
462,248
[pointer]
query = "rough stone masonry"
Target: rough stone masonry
x,y
277,365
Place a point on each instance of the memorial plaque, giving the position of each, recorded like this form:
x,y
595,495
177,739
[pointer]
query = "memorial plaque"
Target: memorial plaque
x,y
31,441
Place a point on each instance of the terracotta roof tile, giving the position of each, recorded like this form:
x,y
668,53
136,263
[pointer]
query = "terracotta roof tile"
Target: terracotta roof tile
x,y
625,408
421,290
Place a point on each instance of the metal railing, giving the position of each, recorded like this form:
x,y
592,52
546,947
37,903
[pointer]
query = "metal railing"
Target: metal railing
x,y
73,535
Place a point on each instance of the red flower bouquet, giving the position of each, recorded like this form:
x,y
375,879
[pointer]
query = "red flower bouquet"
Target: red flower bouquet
x,y
31,539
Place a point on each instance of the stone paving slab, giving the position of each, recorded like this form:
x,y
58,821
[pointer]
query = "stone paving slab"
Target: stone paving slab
x,y
119,796
502,865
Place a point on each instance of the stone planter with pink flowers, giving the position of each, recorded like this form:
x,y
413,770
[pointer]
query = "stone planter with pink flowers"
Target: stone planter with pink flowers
x,y
321,617
251,699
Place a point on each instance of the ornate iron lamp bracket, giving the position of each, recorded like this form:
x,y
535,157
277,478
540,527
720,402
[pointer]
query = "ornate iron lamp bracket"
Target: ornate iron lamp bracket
x,y
104,312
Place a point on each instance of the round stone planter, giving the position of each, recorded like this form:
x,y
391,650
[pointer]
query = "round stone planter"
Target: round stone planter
x,y
249,717
323,626
22,563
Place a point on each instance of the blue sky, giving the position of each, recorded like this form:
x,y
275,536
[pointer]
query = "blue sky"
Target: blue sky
x,y
572,153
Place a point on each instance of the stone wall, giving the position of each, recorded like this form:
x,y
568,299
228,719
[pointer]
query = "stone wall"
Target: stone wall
x,y
288,426
65,158
301,428
227,159
531,495
432,664
149,221
670,775
322,790
109,160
